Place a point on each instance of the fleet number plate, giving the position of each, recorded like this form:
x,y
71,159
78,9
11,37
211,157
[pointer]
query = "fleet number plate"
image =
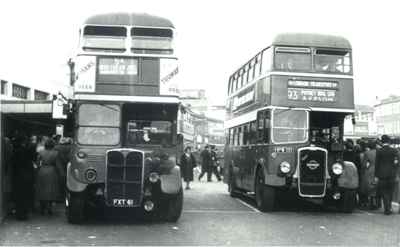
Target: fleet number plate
x,y
123,202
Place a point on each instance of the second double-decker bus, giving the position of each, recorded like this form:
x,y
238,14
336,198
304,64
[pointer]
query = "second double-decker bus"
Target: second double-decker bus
x,y
285,118
125,107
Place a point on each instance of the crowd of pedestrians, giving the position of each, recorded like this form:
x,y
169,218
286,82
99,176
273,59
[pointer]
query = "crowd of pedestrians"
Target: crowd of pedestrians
x,y
34,173
208,160
379,172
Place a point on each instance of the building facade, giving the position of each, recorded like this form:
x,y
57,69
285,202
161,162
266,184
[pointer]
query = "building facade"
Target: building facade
x,y
18,91
387,112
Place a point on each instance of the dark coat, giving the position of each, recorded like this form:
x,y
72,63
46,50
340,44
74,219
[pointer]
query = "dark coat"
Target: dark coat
x,y
47,184
23,177
187,164
367,185
385,165
206,160
64,152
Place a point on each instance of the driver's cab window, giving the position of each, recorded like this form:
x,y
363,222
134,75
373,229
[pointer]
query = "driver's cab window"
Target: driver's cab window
x,y
149,132
263,126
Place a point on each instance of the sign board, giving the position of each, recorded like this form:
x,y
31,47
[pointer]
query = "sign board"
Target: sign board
x,y
317,91
169,77
85,74
58,106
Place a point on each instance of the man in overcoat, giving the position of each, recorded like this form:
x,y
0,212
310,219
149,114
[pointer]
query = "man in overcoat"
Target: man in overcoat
x,y
386,165
206,163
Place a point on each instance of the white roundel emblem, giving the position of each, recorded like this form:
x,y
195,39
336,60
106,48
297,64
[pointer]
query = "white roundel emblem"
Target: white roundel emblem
x,y
312,164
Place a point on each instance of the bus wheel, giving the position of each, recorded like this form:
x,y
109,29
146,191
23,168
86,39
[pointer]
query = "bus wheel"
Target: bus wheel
x,y
174,207
265,195
348,201
232,185
75,208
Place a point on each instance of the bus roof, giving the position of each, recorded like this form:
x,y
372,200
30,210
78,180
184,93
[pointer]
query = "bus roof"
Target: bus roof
x,y
311,40
129,19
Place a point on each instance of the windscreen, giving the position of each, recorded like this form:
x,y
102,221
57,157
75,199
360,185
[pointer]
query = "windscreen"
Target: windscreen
x,y
142,132
99,124
289,126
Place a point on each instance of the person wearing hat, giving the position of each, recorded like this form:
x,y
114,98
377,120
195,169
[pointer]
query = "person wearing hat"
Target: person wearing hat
x,y
206,163
386,166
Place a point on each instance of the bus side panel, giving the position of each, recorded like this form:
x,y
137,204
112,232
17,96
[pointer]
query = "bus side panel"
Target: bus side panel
x,y
249,166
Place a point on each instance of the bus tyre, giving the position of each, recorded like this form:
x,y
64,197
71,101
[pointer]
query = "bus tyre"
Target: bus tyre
x,y
265,195
75,209
348,201
174,207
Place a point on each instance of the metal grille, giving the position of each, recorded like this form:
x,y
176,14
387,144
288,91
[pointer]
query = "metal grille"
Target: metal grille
x,y
312,172
124,176
95,160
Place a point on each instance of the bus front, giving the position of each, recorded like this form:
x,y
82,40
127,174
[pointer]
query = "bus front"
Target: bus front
x,y
312,85
125,112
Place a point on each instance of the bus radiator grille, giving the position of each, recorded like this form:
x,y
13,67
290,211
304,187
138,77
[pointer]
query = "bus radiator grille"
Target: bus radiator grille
x,y
124,176
312,172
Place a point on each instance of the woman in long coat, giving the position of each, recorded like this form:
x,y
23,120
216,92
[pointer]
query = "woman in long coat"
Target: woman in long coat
x,y
188,162
367,173
47,178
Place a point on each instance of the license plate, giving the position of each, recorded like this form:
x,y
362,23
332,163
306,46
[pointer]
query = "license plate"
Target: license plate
x,y
123,202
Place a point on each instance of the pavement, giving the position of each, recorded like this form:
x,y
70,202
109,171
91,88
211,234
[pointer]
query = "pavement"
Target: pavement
x,y
211,217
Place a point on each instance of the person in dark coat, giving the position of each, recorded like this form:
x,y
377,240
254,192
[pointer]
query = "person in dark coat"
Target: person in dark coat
x,y
206,163
47,184
215,163
64,152
23,177
188,162
386,167
367,183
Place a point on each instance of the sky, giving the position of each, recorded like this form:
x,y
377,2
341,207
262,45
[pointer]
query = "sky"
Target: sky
x,y
214,38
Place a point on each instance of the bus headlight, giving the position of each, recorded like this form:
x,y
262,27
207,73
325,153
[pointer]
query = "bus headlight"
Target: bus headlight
x,y
154,177
337,169
81,155
284,167
91,175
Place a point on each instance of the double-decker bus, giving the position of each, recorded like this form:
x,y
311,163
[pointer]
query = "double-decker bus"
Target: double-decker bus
x,y
125,107
285,117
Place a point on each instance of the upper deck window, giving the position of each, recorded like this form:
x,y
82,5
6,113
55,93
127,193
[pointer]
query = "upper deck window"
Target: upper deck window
x,y
152,40
104,38
292,59
332,61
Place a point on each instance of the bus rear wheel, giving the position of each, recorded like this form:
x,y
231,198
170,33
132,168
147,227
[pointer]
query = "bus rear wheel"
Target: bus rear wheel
x,y
174,207
75,208
265,195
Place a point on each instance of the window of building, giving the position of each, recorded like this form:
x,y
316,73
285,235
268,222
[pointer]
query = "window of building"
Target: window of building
x,y
20,91
39,95
3,87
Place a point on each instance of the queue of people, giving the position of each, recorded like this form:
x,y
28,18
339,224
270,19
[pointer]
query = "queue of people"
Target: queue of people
x,y
34,169
379,172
